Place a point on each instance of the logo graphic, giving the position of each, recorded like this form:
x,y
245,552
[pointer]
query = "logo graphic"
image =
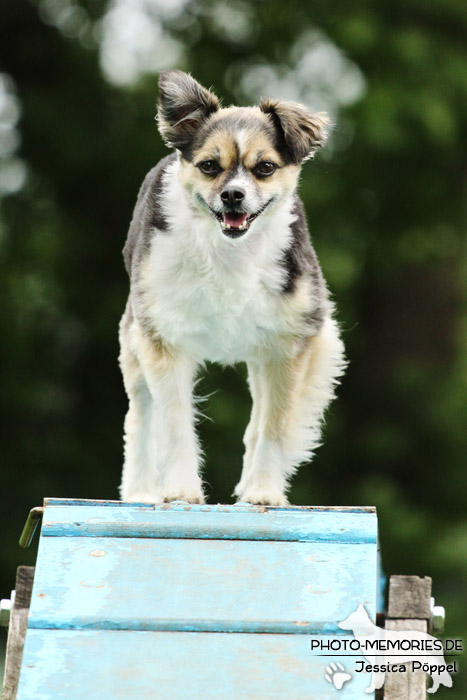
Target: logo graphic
x,y
405,650
337,675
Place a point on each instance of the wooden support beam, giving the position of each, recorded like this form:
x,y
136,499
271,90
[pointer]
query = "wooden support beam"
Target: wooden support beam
x,y
408,609
409,598
17,631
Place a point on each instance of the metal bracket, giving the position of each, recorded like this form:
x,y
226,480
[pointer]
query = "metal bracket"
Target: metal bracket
x,y
6,605
437,618
35,514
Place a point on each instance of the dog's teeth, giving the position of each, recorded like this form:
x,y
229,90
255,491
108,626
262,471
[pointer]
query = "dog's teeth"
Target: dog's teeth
x,y
227,226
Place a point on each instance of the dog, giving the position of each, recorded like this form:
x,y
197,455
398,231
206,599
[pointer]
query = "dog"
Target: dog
x,y
222,269
367,633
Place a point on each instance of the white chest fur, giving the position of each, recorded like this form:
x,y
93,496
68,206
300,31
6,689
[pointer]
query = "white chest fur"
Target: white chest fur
x,y
214,298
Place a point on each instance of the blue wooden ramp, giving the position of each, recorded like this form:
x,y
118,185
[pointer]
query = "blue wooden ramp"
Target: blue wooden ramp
x,y
182,601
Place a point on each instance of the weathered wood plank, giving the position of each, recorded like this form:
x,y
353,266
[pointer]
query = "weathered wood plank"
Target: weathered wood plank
x,y
409,597
160,601
408,609
72,665
183,506
214,585
210,522
410,685
17,631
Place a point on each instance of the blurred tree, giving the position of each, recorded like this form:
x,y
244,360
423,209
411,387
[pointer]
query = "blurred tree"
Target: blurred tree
x,y
386,205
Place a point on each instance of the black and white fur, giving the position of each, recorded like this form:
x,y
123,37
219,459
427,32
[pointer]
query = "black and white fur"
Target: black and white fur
x,y
222,269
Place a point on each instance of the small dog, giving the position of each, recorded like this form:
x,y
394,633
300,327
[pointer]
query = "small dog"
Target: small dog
x,y
222,269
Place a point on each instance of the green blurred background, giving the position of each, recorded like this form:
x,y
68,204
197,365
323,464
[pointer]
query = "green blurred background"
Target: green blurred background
x,y
386,205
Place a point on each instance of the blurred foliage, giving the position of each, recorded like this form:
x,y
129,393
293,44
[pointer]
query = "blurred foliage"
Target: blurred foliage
x,y
387,210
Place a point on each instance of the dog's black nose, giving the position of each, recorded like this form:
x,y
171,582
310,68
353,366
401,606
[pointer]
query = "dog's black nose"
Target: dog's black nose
x,y
233,195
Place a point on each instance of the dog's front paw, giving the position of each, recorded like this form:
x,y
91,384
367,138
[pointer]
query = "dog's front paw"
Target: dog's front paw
x,y
190,491
261,496
187,496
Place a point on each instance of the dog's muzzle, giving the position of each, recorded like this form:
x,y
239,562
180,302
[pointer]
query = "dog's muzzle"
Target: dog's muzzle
x,y
235,223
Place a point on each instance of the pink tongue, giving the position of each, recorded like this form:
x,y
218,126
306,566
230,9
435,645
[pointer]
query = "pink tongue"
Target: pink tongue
x,y
234,220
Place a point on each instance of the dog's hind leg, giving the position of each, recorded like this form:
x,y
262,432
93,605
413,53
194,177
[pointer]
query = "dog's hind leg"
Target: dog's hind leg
x,y
294,392
323,364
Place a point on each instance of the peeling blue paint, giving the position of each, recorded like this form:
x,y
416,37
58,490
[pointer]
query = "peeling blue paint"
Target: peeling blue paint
x,y
135,601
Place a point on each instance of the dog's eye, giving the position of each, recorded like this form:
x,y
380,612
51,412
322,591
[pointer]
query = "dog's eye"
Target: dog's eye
x,y
265,168
210,167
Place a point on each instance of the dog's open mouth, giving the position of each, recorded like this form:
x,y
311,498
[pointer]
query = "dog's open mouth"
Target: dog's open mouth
x,y
236,223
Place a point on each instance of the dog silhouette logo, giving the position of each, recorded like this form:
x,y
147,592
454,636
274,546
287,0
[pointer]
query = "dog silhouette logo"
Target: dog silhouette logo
x,y
411,649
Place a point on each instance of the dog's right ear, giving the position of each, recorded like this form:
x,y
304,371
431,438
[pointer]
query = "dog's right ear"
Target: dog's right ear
x,y
183,106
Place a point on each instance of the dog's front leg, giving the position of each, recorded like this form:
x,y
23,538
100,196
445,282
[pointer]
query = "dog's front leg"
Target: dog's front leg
x,y
290,395
265,470
250,438
169,376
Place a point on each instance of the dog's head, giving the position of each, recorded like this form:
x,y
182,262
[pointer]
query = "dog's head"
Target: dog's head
x,y
237,162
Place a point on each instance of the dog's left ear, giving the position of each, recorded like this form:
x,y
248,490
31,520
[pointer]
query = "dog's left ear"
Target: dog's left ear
x,y
183,106
301,131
